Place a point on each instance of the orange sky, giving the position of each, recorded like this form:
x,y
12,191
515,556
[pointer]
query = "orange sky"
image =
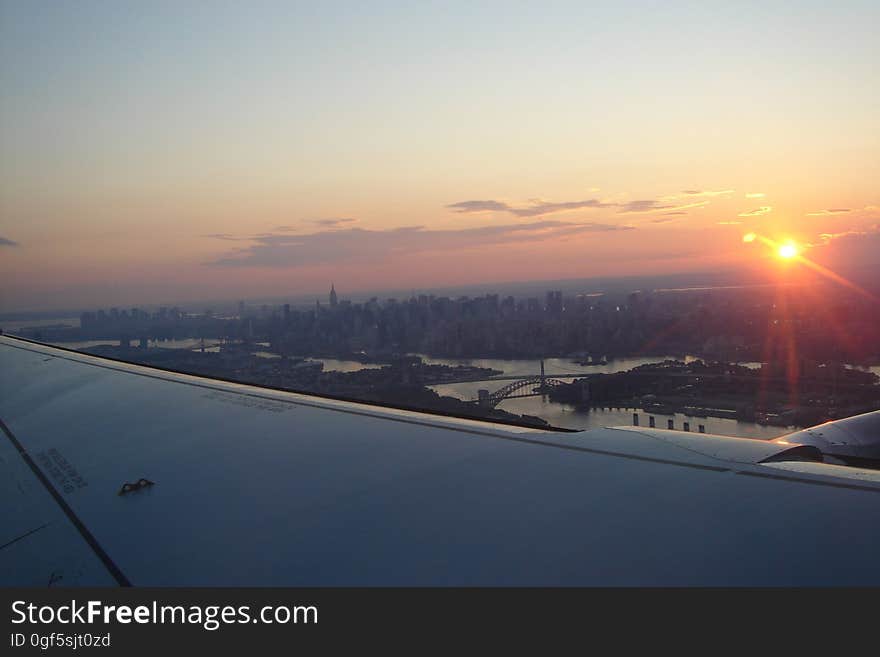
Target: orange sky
x,y
159,154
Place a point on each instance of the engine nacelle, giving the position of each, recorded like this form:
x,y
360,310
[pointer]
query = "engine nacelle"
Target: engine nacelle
x,y
853,440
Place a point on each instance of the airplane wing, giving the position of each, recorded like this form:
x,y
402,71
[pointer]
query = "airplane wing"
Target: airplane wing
x,y
114,473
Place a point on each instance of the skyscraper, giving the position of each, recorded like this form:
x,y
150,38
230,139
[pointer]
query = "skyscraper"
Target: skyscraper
x,y
334,301
554,302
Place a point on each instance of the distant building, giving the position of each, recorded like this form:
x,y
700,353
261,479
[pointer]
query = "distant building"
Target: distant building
x,y
334,301
554,302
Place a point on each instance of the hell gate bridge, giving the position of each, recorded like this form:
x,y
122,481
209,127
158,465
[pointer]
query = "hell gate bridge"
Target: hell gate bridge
x,y
529,386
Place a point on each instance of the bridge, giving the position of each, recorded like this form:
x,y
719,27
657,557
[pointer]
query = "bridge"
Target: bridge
x,y
529,386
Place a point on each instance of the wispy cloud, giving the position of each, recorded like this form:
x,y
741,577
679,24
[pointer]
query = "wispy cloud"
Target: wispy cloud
x,y
764,209
729,223
854,248
538,207
827,238
830,211
535,208
361,245
706,192
334,221
755,195
7,242
464,207
324,223
652,205
645,205
225,236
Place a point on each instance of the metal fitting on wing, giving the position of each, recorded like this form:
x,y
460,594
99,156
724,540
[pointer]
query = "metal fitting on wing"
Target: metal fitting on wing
x,y
130,488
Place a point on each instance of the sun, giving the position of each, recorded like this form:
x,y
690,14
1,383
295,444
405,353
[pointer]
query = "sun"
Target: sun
x,y
787,251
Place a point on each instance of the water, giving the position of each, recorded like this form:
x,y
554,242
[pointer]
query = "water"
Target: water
x,y
565,366
566,415
572,417
333,365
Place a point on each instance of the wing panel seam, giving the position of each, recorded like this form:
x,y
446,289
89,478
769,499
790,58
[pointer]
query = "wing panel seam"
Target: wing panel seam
x,y
89,538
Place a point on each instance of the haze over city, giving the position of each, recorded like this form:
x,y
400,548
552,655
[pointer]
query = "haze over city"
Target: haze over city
x,y
161,152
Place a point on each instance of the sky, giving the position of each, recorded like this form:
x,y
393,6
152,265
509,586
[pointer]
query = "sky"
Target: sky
x,y
163,151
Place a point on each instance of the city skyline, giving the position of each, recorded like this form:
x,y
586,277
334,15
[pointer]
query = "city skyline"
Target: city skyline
x,y
164,153
772,340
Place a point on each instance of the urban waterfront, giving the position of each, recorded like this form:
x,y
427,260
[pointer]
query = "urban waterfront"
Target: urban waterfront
x,y
569,416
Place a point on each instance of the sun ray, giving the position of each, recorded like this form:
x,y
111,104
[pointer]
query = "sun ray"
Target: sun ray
x,y
789,251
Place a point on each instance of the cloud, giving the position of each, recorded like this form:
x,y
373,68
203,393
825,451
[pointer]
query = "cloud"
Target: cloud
x,y
536,208
729,223
644,205
707,192
850,249
651,205
325,223
827,238
755,195
463,207
764,209
334,221
668,217
6,242
362,245
824,213
224,236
